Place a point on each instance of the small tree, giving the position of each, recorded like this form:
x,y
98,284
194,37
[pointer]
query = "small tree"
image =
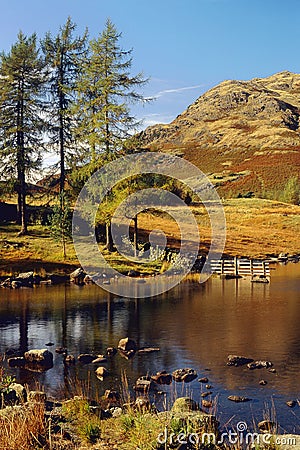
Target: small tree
x,y
291,192
61,222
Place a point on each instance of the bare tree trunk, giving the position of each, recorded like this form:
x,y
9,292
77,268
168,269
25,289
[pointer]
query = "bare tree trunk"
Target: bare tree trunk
x,y
135,235
109,240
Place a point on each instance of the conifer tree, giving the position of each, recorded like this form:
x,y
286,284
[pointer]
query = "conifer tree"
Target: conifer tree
x,y
63,53
105,91
21,125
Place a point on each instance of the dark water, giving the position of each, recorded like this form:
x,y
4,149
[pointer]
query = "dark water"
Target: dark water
x,y
194,326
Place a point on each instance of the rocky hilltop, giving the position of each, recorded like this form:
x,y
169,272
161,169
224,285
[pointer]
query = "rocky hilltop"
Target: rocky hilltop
x,y
244,134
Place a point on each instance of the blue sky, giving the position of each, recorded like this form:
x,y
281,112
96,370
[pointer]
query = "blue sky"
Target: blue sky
x,y
184,47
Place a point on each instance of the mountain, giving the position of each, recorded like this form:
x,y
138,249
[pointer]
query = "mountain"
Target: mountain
x,y
244,134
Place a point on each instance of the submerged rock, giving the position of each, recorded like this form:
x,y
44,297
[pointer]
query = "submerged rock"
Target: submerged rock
x,y
207,403
143,384
206,394
234,360
259,365
17,361
184,375
86,358
101,372
203,380
238,398
291,403
110,351
162,377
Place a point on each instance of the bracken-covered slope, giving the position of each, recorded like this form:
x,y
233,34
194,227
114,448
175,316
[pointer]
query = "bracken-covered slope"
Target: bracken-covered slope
x,y
244,134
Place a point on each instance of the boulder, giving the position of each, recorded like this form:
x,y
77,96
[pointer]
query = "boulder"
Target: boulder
x,y
78,276
127,344
263,382
234,360
16,284
143,384
19,390
162,377
25,276
40,356
184,375
127,347
238,398
185,404
101,372
259,365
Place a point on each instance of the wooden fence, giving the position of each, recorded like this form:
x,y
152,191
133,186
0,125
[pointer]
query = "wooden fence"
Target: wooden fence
x,y
238,267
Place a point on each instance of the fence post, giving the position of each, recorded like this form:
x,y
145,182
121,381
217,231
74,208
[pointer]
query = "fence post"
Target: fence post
x,y
236,268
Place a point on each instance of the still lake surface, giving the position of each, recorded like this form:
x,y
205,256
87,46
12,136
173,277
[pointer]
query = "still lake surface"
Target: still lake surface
x,y
194,325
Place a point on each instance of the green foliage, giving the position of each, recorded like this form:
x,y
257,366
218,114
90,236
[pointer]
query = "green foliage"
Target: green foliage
x,y
63,53
22,79
5,382
291,192
90,431
60,222
105,90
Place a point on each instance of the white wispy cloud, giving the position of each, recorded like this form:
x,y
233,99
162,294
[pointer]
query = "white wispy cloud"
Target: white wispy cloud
x,y
175,91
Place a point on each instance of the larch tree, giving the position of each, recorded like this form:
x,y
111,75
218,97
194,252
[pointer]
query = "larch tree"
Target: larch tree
x,y
105,92
63,54
22,79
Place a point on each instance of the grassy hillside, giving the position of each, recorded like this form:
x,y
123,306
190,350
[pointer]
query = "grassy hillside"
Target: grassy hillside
x,y
245,133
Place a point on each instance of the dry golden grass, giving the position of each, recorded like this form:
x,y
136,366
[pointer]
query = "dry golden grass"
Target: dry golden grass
x,y
25,429
255,228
